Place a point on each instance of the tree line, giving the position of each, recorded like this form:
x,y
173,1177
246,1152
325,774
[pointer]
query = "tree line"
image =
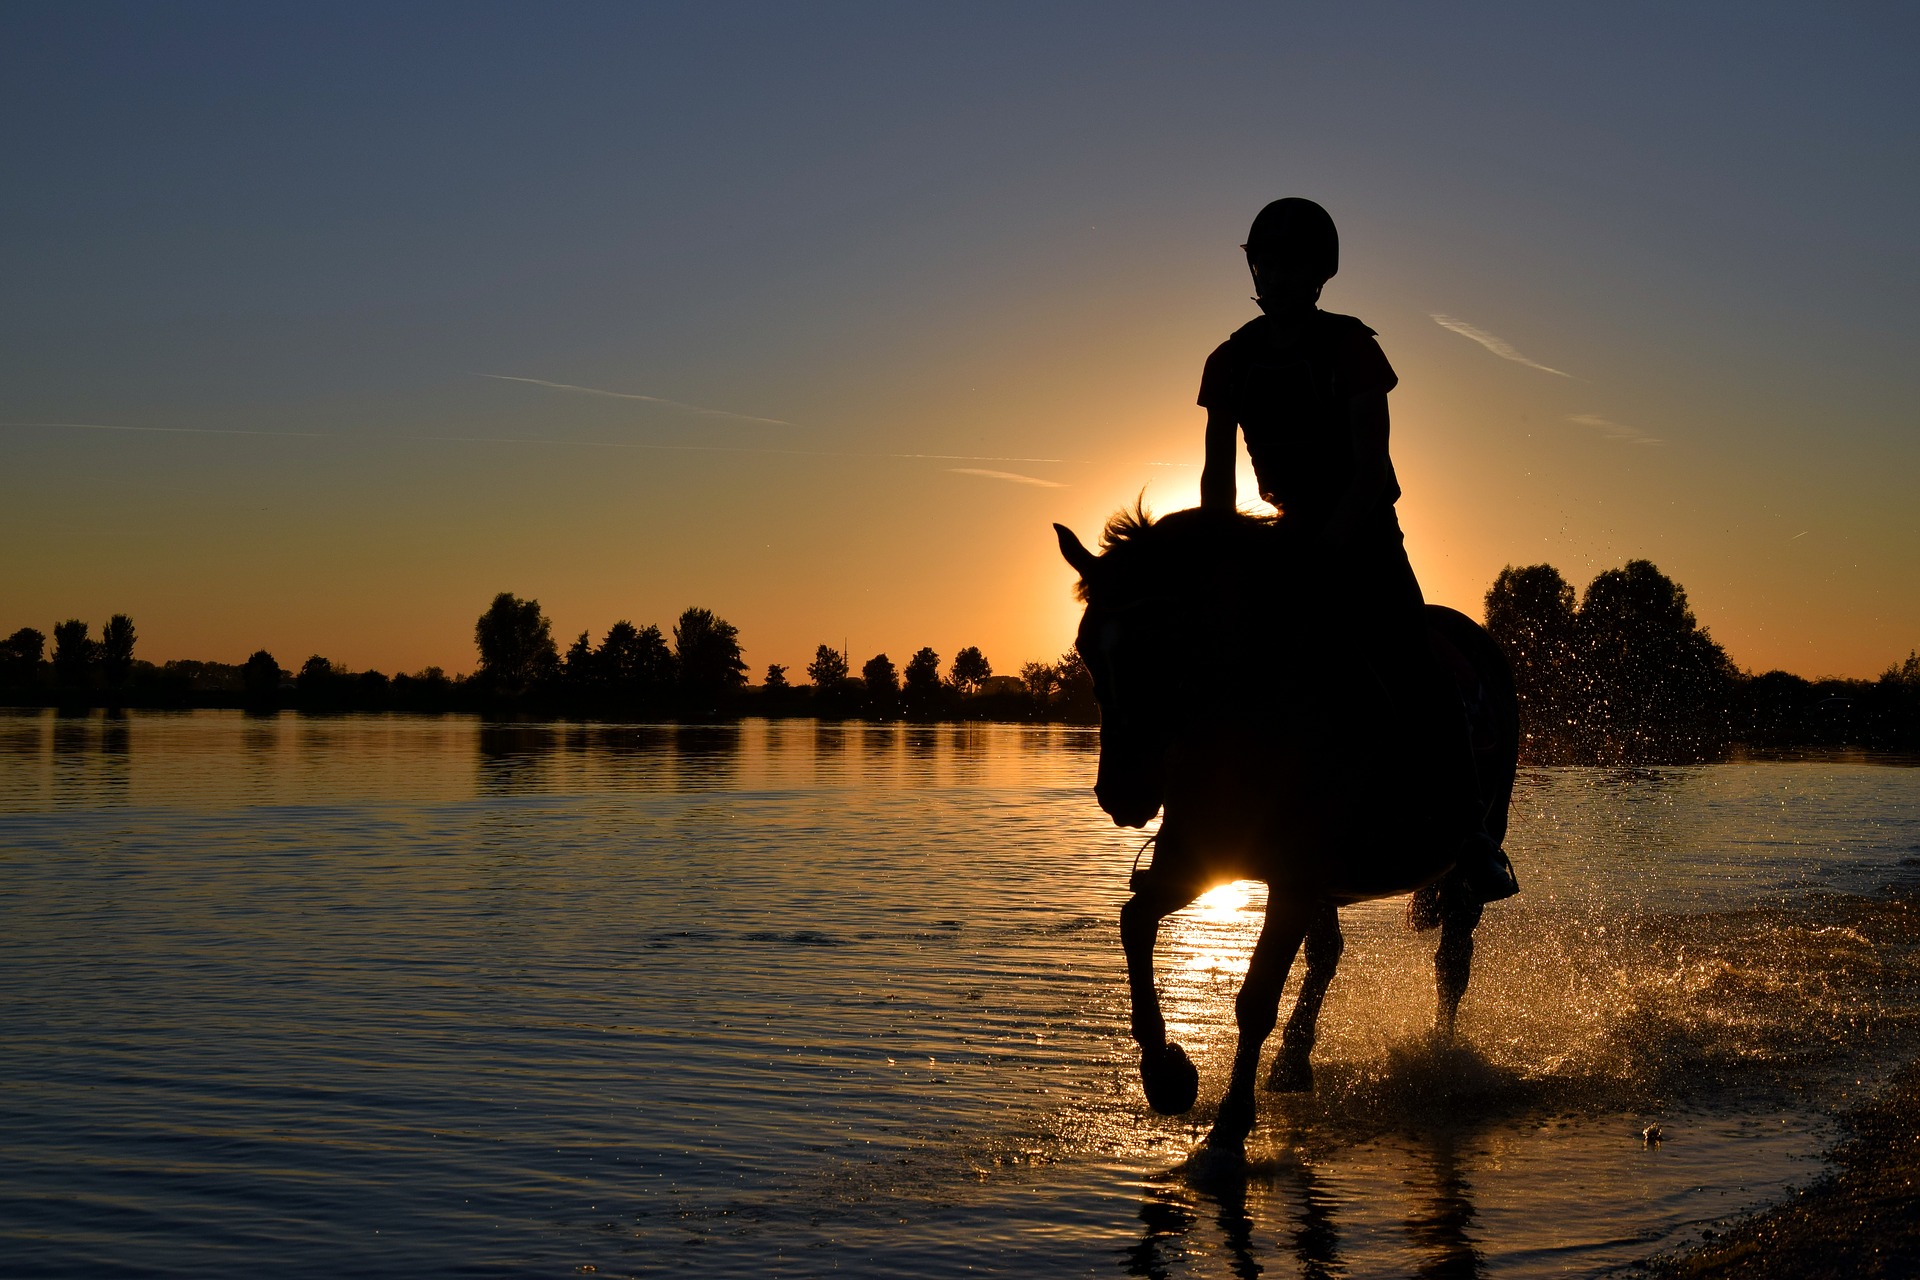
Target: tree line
x,y
1628,675
1623,672
696,670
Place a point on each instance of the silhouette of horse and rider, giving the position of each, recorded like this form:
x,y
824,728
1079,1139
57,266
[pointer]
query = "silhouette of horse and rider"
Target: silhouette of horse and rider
x,y
1278,690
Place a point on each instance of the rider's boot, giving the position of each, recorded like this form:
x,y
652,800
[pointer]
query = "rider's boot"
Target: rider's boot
x,y
1485,869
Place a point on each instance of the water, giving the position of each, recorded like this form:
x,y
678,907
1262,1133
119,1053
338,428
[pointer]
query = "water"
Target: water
x,y
400,996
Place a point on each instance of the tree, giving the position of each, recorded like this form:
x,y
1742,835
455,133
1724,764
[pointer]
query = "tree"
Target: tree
x,y
116,651
1899,694
578,669
970,668
20,656
1657,684
73,654
707,649
883,686
921,690
516,645
1530,614
320,684
776,676
636,663
261,679
1076,687
1041,681
829,669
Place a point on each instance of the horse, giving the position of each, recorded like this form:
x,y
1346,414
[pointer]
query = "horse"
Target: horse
x,y
1232,705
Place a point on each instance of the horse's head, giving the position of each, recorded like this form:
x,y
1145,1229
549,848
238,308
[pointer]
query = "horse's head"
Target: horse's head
x,y
1126,640
1166,634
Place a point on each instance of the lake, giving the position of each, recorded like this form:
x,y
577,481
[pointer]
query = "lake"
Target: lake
x,y
401,996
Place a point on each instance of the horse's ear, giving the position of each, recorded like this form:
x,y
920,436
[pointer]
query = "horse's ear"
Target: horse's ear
x,y
1076,553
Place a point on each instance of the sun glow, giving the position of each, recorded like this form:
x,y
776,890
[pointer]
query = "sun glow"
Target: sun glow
x,y
1224,902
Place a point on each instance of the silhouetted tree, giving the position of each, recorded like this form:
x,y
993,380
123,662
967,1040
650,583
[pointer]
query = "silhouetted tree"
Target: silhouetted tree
x,y
835,692
828,669
1530,613
707,649
116,651
883,686
73,655
970,667
578,669
1899,693
262,679
1656,682
636,664
1041,680
20,657
516,645
321,685
1076,687
776,676
921,693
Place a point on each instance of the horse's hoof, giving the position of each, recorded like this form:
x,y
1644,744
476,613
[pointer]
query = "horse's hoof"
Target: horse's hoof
x,y
1170,1079
1292,1073
1231,1126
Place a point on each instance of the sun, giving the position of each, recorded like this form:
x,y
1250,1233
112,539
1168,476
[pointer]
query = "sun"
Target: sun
x,y
1223,902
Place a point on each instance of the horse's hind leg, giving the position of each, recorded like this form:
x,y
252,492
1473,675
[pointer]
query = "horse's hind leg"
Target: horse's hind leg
x,y
1257,1008
1292,1067
1169,1078
1453,958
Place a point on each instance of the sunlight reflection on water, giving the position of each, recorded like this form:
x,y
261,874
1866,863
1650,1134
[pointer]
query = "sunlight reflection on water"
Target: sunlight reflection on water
x,y
385,995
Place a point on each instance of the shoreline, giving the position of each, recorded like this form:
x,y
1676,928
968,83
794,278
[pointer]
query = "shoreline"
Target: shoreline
x,y
1860,1218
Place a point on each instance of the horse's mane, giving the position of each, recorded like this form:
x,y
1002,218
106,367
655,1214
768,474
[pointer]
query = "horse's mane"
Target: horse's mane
x,y
1137,550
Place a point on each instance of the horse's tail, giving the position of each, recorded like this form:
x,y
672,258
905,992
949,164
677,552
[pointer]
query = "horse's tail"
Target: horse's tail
x,y
1493,709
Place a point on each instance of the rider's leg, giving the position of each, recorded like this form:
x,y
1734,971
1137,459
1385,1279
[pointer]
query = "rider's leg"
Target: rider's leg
x,y
1293,1067
1403,657
1257,1008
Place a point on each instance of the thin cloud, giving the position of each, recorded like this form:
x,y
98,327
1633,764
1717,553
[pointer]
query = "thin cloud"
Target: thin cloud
x,y
1012,476
1499,346
629,395
1614,430
351,437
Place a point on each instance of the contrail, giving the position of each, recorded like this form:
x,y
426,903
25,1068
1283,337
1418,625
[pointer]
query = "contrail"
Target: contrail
x,y
1614,430
628,395
1499,346
359,438
1006,475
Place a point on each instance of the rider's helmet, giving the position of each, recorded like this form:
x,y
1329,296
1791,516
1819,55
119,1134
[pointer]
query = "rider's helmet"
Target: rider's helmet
x,y
1292,243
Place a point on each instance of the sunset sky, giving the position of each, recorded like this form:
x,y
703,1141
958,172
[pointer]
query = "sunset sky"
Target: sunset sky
x,y
319,325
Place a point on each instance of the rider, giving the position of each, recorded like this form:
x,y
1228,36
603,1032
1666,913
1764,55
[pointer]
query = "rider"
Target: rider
x,y
1309,390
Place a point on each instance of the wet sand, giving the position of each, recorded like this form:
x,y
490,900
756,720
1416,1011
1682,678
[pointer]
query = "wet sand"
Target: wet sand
x,y
1859,1220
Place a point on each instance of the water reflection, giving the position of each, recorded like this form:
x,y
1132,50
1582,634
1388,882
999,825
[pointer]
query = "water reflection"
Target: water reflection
x,y
1439,1223
1201,1211
514,757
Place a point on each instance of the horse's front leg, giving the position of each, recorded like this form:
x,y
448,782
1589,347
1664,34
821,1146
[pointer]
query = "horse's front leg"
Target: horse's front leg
x,y
1453,958
1257,1008
1292,1066
1167,1075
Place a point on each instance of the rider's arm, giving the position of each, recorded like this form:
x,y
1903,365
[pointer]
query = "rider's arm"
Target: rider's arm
x,y
1216,477
1367,419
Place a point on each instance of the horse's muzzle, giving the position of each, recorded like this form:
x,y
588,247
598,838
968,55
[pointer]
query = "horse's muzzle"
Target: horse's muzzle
x,y
1128,795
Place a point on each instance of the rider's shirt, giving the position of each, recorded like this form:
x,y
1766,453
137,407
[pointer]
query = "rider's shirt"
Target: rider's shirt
x,y
1291,400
